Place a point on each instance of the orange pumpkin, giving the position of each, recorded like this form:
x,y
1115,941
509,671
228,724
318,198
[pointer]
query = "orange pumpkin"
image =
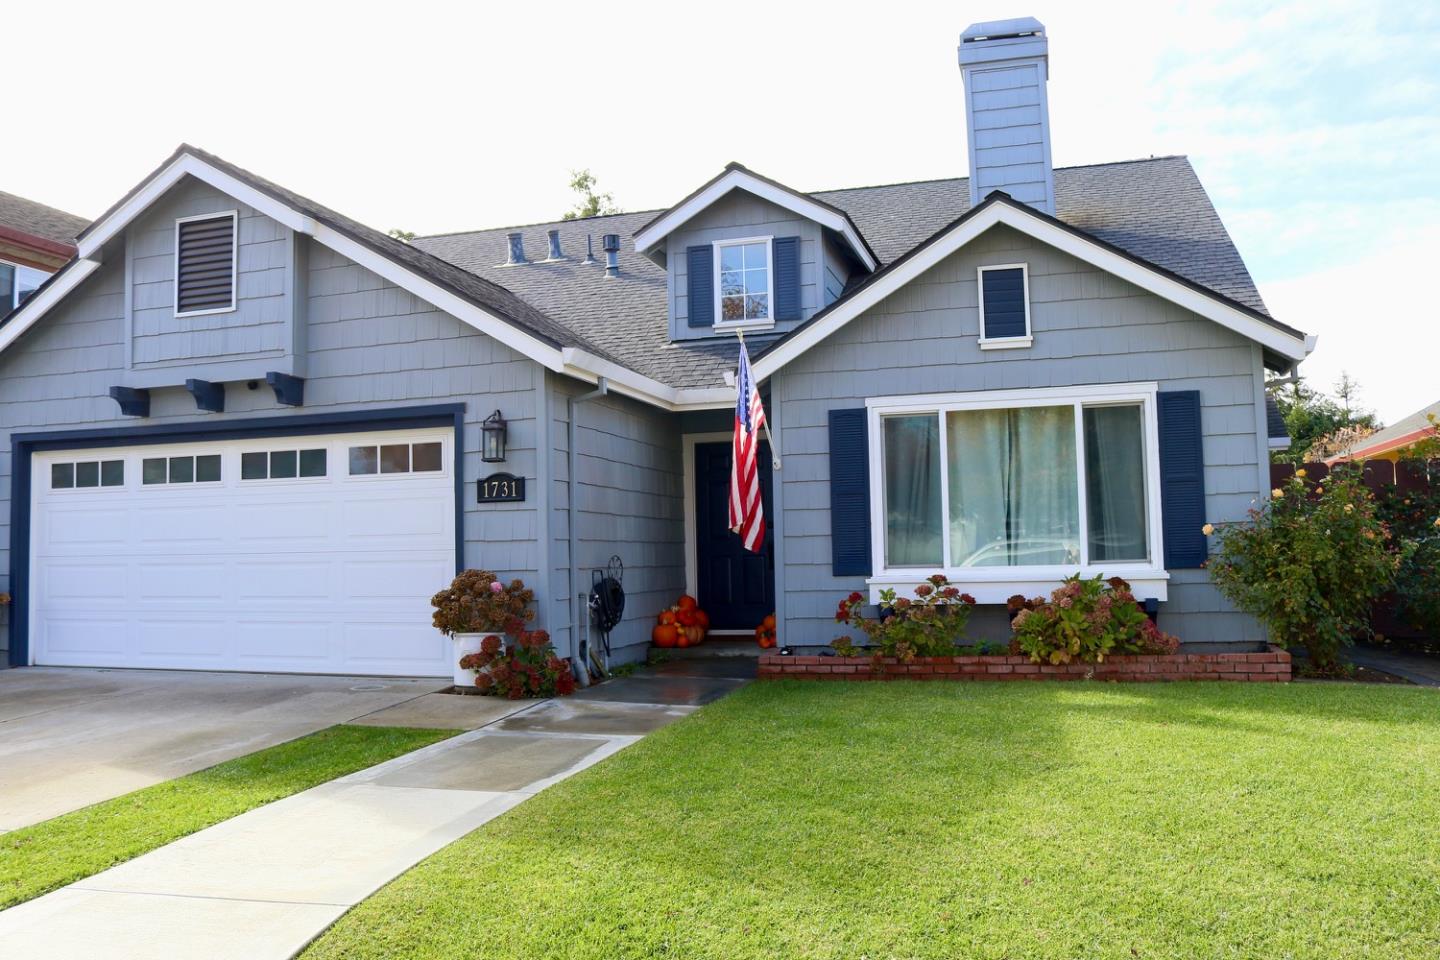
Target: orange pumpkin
x,y
687,602
665,635
694,634
769,622
685,617
702,618
667,616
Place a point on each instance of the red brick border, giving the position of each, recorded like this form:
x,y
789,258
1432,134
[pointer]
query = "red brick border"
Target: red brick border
x,y
1272,666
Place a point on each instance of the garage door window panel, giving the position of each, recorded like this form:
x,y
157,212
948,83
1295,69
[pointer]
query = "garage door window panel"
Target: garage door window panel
x,y
87,474
392,458
204,468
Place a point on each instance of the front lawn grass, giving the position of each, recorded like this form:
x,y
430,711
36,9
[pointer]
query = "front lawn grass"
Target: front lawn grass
x,y
952,820
39,858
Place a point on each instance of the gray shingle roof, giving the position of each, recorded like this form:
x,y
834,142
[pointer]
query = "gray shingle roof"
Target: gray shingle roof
x,y
1154,209
38,220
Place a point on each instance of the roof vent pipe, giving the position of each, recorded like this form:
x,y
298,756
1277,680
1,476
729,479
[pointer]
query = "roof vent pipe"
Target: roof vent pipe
x,y
589,248
555,252
517,248
611,243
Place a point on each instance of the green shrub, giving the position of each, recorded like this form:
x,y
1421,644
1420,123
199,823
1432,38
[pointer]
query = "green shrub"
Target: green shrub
x,y
1414,521
1309,563
1085,620
931,625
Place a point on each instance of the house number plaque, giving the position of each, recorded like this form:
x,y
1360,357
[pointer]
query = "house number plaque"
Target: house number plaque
x,y
500,488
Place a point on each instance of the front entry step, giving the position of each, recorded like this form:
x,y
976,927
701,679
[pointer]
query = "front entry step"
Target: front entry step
x,y
714,647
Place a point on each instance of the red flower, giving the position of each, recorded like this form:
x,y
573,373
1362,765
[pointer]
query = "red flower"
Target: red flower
x,y
967,599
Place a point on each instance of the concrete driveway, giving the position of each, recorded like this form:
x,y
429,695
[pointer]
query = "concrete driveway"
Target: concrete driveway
x,y
72,737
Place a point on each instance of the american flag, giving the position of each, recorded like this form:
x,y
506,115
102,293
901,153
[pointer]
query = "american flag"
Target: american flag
x,y
747,513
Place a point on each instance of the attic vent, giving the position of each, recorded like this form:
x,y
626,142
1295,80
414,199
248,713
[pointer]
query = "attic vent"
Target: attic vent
x,y
205,264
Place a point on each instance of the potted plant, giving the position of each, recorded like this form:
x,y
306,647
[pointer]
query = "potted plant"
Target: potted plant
x,y
477,605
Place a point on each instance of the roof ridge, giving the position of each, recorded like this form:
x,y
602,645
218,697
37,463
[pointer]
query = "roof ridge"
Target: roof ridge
x,y
1073,166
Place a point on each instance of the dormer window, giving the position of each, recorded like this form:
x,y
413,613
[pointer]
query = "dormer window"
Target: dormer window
x,y
743,270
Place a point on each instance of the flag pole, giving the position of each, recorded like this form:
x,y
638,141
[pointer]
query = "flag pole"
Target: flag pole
x,y
774,450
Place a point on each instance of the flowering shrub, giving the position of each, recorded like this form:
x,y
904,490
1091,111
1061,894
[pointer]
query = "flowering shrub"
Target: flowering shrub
x,y
477,602
1084,620
931,625
527,667
1309,563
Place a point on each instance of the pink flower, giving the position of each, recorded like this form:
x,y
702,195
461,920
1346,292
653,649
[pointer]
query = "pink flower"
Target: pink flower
x,y
495,587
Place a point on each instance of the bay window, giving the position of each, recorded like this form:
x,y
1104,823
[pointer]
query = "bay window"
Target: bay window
x,y
1016,487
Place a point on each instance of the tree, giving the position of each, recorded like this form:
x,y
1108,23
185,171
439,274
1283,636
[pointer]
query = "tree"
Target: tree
x,y
404,235
1320,425
591,203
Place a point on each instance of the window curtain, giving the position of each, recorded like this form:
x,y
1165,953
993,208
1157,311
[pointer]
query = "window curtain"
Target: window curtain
x,y
1115,483
1014,499
912,491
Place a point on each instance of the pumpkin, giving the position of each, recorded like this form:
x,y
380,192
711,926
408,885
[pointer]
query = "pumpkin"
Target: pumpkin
x,y
687,602
694,633
686,617
769,622
702,618
665,635
667,616
766,640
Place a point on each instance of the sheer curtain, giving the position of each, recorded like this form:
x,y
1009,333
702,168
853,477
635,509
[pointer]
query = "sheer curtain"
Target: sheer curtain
x,y
1115,483
1014,498
912,491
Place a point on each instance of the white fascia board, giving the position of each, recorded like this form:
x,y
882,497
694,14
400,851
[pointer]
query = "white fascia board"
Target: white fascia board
x,y
1291,347
39,303
743,180
181,166
483,320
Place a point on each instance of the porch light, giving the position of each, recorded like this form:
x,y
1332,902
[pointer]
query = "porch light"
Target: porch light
x,y
492,438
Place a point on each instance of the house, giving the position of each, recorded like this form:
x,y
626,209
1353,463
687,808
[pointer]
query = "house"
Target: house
x,y
35,241
249,433
1393,442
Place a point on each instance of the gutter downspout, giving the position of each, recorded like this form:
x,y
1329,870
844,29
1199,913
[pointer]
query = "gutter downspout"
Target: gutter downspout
x,y
582,668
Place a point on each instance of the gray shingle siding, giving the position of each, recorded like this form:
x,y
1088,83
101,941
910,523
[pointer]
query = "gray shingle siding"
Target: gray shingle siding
x,y
1089,327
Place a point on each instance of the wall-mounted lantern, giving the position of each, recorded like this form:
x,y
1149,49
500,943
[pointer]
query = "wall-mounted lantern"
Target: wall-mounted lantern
x,y
492,438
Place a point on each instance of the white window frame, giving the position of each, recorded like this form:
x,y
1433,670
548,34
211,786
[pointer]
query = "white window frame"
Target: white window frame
x,y
1004,343
22,272
715,248
234,216
996,584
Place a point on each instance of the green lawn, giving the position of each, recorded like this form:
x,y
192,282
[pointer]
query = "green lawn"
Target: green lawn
x,y
962,820
42,857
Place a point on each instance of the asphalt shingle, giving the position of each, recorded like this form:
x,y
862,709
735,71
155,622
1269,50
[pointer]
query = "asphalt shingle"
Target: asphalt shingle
x,y
38,220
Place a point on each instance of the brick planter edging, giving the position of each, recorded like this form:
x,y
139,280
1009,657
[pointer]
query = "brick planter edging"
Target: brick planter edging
x,y
1273,666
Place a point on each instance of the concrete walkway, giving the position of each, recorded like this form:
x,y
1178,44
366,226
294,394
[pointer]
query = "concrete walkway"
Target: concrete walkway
x,y
1415,667
264,884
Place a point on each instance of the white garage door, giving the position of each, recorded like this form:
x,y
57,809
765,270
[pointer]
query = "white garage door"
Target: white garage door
x,y
312,554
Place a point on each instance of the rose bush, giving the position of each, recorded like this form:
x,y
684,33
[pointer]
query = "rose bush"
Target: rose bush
x,y
931,625
1309,563
1084,620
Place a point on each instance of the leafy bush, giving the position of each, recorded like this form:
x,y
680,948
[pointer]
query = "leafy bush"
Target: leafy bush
x,y
477,602
1085,620
528,667
1309,563
931,625
1414,522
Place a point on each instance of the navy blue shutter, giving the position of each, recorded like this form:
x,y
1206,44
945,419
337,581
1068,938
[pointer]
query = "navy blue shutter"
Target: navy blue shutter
x,y
849,493
1182,478
786,251
1004,303
700,279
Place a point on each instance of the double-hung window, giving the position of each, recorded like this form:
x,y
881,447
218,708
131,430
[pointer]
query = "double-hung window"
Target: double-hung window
x,y
743,271
1015,486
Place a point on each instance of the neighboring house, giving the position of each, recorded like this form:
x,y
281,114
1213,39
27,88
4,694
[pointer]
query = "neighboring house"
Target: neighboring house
x,y
1393,441
35,241
246,431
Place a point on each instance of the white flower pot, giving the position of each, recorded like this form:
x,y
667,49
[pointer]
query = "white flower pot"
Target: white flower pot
x,y
460,645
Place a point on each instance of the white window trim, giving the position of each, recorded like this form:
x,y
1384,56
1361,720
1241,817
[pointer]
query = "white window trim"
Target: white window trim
x,y
715,248
996,584
1004,343
22,273
234,216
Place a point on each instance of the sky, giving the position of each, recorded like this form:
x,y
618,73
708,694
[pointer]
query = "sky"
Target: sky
x,y
1314,125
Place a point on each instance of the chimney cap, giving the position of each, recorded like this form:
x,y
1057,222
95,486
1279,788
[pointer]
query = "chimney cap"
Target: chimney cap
x,y
1003,30
1000,40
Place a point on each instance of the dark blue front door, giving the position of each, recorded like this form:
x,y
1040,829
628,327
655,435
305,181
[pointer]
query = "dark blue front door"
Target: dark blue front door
x,y
736,587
